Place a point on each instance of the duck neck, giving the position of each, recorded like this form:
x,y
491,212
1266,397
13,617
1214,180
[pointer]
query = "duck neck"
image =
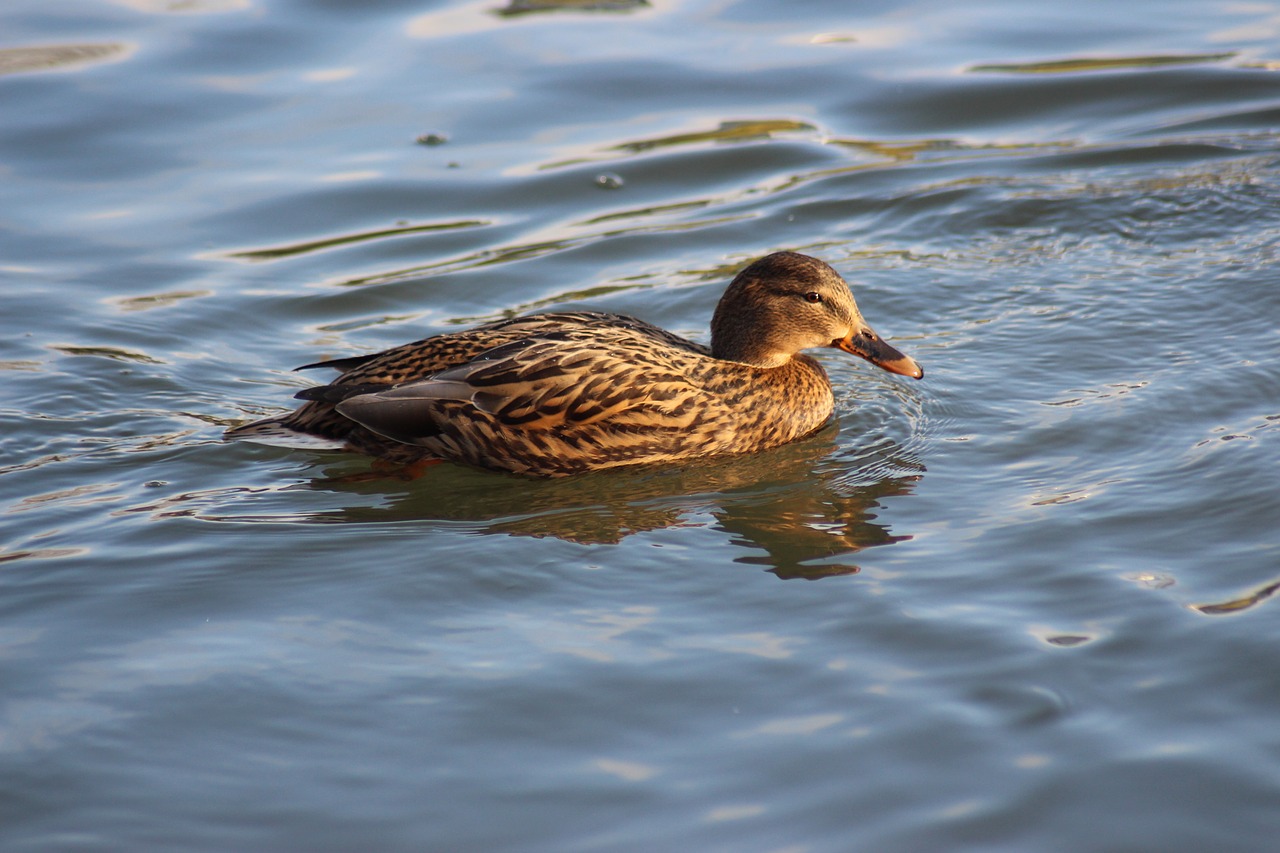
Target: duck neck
x,y
734,340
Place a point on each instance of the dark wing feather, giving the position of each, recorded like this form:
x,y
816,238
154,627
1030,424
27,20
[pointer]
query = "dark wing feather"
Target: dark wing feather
x,y
337,392
342,365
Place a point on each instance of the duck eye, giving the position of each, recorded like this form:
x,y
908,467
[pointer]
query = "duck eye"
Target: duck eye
x,y
813,296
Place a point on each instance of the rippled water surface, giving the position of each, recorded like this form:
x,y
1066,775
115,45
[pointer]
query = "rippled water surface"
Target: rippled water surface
x,y
1023,604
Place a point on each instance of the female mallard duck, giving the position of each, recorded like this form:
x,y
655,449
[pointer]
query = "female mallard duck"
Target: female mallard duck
x,y
556,394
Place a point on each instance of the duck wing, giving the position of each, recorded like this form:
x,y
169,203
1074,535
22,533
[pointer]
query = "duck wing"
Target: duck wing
x,y
492,395
562,379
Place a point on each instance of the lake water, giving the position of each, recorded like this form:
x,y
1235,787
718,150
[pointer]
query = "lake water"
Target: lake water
x,y
1021,605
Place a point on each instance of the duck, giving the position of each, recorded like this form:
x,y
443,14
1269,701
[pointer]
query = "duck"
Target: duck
x,y
564,393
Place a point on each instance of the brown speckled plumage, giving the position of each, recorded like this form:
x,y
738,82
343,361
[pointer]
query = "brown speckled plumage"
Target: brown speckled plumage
x,y
563,393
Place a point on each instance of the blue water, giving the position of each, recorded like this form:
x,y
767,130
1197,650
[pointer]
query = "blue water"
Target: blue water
x,y
1023,604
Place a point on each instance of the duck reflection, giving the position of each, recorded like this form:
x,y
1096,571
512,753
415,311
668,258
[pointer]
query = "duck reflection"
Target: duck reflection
x,y
804,509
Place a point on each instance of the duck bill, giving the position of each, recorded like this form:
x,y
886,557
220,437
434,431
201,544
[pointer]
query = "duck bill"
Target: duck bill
x,y
874,349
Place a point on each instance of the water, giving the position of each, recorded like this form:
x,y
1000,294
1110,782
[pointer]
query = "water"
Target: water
x,y
1024,604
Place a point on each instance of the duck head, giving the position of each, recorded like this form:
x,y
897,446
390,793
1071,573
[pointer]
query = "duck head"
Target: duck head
x,y
788,302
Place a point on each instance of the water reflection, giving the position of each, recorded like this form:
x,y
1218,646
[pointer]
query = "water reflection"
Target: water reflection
x,y
274,253
54,57
1244,602
516,8
728,132
806,513
1076,66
